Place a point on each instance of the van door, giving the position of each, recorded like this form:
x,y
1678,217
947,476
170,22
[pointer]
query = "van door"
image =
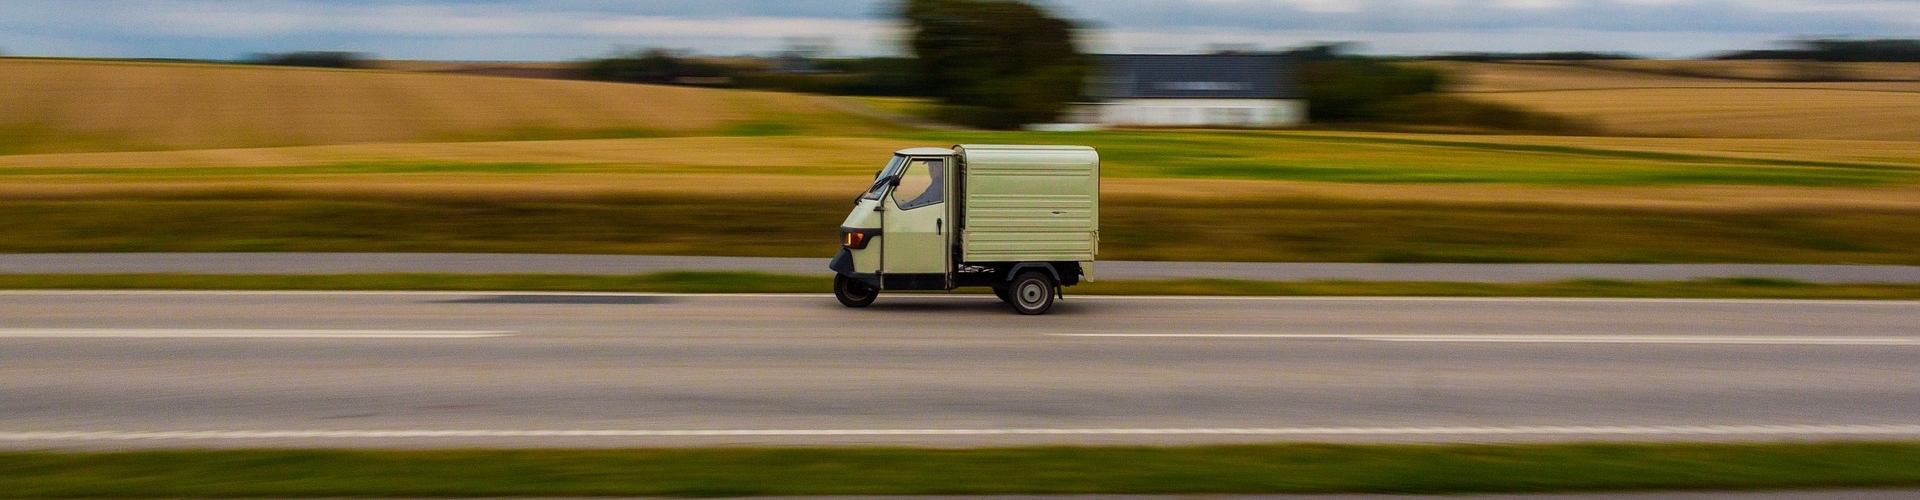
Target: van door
x,y
916,225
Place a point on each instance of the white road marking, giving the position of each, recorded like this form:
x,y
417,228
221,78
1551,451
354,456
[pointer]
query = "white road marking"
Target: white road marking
x,y
1535,339
1551,430
210,333
1601,300
965,295
417,293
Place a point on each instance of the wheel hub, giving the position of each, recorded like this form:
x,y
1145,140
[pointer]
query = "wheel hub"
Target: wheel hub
x,y
1032,294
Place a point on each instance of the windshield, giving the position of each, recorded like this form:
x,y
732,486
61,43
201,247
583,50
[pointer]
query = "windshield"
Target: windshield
x,y
893,168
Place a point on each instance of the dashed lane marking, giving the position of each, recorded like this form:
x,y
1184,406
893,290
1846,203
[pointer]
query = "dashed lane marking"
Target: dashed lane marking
x,y
241,333
1537,339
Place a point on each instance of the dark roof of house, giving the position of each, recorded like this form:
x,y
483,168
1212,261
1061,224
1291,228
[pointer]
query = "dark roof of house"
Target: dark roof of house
x,y
1210,76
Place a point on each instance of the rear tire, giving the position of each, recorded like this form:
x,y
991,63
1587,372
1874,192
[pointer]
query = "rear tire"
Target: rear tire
x,y
1032,293
1003,294
853,293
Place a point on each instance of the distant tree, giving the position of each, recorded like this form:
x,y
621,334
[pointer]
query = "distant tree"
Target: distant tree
x,y
1887,50
1865,50
873,76
314,59
1343,87
995,63
659,66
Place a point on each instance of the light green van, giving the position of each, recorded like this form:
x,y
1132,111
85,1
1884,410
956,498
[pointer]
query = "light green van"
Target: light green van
x,y
1023,220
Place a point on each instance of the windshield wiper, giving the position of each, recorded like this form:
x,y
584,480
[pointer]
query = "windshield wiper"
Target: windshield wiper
x,y
873,188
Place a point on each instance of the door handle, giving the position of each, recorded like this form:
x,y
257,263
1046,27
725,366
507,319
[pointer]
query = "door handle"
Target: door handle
x,y
938,226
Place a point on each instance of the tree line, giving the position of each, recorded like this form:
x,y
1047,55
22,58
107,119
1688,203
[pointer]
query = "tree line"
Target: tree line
x,y
990,63
1005,63
1827,50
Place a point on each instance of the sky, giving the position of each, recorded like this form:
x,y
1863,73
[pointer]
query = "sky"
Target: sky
x,y
555,30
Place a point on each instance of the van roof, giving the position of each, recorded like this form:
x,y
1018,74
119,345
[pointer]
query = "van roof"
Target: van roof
x,y
1023,147
924,152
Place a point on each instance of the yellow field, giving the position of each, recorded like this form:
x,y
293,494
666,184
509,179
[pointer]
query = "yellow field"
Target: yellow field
x,y
73,105
1771,70
1640,103
810,155
459,66
773,167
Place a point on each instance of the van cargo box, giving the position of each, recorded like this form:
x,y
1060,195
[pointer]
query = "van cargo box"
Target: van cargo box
x,y
1029,203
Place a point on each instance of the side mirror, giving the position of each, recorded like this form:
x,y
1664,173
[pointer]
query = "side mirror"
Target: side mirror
x,y
893,181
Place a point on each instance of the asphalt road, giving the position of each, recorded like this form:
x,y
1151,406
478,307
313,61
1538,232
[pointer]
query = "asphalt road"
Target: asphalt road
x,y
140,369
338,263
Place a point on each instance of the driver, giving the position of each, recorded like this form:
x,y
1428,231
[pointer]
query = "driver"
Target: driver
x,y
937,169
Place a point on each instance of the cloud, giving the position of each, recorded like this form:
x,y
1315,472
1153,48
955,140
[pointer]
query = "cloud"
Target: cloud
x,y
559,29
1654,44
430,29
1887,18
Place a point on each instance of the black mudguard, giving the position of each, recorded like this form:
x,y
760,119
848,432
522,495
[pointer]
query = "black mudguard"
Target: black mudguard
x,y
843,263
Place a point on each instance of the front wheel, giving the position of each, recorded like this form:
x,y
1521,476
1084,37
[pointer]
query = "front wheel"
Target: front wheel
x,y
852,292
1032,293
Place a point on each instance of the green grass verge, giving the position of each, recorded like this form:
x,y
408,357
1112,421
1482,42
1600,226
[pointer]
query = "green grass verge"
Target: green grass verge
x,y
1242,155
669,282
749,282
1357,159
1298,468
1729,288
1132,228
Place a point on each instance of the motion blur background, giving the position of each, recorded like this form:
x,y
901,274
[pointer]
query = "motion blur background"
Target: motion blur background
x,y
1511,131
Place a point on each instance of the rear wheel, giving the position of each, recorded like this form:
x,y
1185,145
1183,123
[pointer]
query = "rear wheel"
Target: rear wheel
x,y
853,293
1003,293
1032,293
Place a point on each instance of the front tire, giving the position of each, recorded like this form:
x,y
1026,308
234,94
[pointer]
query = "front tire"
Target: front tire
x,y
1032,293
852,292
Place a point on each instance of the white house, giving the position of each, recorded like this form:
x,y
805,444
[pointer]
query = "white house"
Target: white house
x,y
1211,90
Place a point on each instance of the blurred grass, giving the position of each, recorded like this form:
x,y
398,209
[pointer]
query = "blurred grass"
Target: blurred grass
x,y
1250,155
1315,230
550,133
793,146
1133,228
1694,98
1722,288
916,107
667,282
741,472
754,282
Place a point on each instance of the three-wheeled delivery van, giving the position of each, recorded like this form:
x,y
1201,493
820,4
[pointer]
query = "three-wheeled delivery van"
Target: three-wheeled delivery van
x,y
1023,220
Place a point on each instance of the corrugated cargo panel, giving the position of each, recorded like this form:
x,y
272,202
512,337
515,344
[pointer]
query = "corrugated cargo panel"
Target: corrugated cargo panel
x,y
1031,203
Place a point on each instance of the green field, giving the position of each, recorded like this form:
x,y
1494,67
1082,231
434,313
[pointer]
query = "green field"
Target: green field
x,y
1133,228
1349,158
1274,156
1295,468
